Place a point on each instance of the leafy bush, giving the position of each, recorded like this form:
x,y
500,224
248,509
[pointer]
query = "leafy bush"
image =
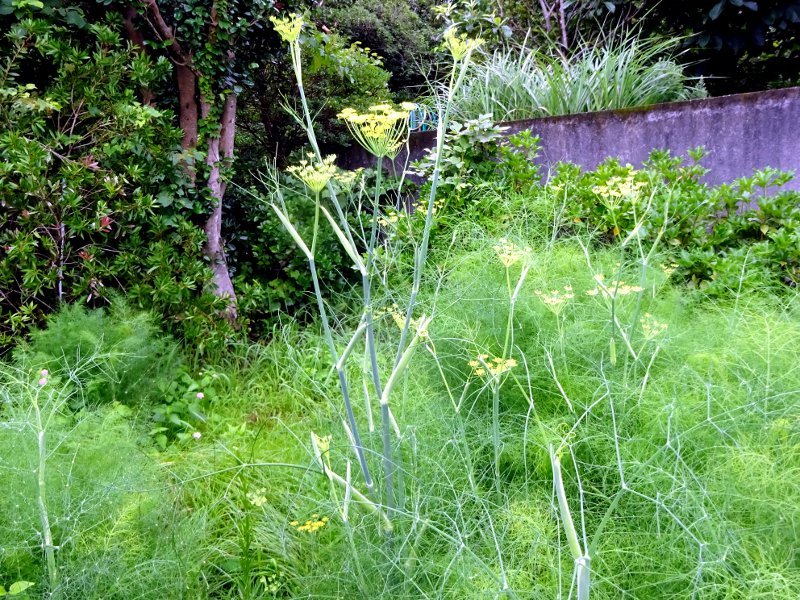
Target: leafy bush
x,y
92,186
476,152
741,235
400,31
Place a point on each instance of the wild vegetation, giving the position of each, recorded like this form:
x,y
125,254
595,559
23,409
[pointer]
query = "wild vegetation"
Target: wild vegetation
x,y
500,383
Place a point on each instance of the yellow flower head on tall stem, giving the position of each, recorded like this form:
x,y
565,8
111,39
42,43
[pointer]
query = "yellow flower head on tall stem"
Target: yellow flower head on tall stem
x,y
459,45
509,253
381,130
314,175
288,28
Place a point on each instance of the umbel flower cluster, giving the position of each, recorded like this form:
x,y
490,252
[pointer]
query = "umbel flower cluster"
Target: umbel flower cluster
x,y
651,328
288,28
612,289
459,45
555,299
484,365
314,174
509,253
381,130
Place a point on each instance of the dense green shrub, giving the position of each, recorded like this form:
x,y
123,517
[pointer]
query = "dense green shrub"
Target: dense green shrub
x,y
742,235
400,31
92,186
726,238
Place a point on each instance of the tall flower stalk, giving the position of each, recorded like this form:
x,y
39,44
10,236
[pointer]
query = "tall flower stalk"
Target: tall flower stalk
x,y
290,29
382,130
461,49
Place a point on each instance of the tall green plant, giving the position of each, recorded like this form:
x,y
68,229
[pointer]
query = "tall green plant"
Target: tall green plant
x,y
382,132
92,192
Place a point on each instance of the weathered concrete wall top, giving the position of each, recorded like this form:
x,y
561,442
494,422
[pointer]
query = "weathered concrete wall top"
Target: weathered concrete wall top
x,y
741,133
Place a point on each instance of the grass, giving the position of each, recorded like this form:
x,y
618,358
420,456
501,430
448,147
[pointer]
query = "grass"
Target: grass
x,y
623,71
678,459
640,448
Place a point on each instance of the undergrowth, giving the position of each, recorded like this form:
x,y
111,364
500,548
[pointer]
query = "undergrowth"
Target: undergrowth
x,y
677,443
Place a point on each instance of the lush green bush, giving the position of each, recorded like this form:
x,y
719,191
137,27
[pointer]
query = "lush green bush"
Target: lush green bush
x,y
723,239
728,238
130,354
92,183
400,31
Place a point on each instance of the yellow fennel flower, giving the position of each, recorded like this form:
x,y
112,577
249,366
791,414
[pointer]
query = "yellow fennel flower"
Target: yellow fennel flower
x,y
381,130
508,253
493,367
555,300
288,28
315,176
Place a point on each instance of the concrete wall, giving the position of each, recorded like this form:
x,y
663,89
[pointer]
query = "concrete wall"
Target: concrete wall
x,y
741,133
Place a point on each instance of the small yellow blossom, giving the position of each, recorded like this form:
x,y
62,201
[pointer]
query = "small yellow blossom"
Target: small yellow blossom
x,y
459,45
421,207
493,367
315,176
555,300
508,253
258,497
420,325
288,28
347,179
392,217
312,525
612,289
381,130
650,327
620,187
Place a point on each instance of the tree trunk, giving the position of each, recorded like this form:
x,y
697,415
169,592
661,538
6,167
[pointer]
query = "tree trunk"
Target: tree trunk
x,y
191,108
219,154
136,37
188,117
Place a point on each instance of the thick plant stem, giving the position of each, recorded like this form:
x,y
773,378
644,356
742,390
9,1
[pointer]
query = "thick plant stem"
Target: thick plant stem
x,y
581,557
41,500
496,432
294,49
388,462
351,419
422,252
386,433
367,284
